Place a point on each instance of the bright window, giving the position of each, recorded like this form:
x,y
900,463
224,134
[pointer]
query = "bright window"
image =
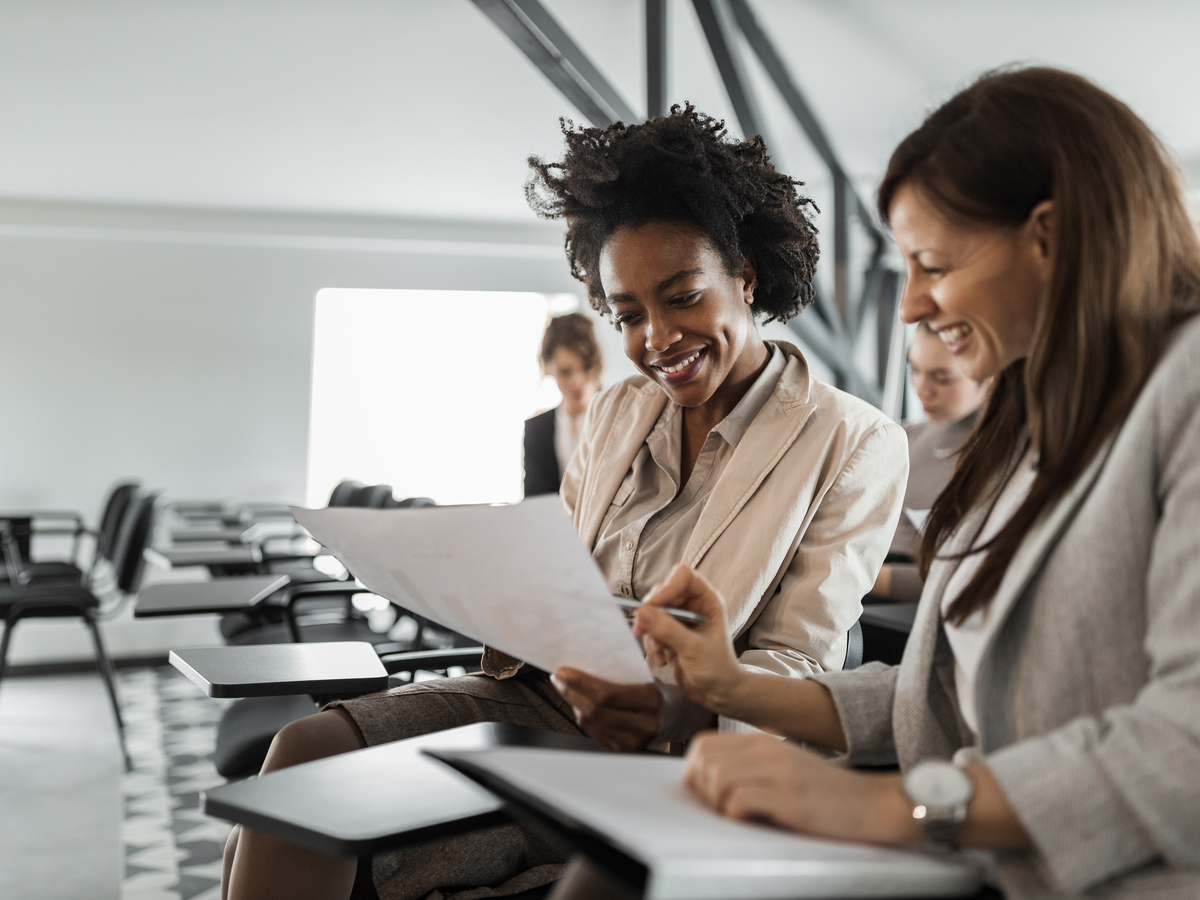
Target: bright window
x,y
426,391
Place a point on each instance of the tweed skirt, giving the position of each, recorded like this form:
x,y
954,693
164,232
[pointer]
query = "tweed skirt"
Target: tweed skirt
x,y
493,862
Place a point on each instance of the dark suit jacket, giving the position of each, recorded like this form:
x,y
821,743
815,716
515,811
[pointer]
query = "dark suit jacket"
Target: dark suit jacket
x,y
541,463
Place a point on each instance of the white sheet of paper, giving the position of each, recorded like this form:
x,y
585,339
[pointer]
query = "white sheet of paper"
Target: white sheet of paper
x,y
639,805
515,578
918,517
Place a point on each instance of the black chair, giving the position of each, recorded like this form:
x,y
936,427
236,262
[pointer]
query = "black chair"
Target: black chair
x,y
330,621
104,537
27,601
344,492
854,647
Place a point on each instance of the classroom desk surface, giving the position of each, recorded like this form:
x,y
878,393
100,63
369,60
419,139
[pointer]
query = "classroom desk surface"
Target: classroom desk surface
x,y
223,595
271,670
178,557
382,797
238,534
892,616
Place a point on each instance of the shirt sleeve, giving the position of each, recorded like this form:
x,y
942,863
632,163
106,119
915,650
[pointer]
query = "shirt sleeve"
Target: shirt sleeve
x,y
802,630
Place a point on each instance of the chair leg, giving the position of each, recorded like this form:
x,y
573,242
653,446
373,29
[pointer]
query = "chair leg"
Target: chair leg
x,y
9,624
107,672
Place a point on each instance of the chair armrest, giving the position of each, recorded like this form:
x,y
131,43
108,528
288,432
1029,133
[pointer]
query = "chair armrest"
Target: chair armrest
x,y
432,660
13,563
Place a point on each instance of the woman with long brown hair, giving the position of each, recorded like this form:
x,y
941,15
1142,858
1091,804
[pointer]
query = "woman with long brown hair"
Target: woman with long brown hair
x,y
1048,703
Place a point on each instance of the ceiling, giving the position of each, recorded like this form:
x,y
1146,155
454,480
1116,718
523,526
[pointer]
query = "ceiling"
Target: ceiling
x,y
422,109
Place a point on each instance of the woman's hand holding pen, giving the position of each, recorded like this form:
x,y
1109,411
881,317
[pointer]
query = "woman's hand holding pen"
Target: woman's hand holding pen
x,y
701,655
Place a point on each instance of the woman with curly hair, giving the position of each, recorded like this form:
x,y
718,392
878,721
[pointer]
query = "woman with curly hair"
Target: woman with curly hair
x,y
723,452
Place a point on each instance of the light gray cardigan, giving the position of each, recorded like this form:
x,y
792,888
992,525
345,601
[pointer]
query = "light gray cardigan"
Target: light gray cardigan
x,y
1089,693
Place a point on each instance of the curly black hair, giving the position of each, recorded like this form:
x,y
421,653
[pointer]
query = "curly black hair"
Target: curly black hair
x,y
681,168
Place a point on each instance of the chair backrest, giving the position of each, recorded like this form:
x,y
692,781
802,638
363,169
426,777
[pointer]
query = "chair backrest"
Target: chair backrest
x,y
374,496
344,493
136,531
113,515
854,647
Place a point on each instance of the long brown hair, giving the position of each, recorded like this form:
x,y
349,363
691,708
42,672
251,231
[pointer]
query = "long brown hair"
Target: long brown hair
x,y
1126,271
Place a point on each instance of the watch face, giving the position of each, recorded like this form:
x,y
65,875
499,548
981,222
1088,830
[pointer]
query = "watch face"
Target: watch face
x,y
938,785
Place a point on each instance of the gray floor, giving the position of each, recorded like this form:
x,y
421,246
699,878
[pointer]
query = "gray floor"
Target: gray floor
x,y
60,790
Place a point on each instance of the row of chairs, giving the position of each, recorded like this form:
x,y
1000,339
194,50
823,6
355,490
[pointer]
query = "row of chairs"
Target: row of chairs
x,y
92,585
315,607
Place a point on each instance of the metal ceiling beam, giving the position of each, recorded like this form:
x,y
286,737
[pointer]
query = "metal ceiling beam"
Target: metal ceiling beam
x,y
837,353
720,32
529,25
773,63
656,58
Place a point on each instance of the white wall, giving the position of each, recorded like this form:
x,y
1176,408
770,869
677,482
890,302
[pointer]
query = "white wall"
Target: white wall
x,y
176,347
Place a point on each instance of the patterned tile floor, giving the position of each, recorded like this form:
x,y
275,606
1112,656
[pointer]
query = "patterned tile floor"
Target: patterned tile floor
x,y
172,851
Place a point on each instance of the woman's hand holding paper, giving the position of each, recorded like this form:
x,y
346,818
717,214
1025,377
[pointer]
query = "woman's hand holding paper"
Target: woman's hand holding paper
x,y
619,716
702,657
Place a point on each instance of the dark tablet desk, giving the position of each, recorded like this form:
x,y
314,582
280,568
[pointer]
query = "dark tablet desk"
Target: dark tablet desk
x,y
885,628
235,594
892,616
271,670
237,534
178,557
388,796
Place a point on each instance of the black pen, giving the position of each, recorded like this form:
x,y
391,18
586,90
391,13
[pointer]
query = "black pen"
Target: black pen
x,y
683,615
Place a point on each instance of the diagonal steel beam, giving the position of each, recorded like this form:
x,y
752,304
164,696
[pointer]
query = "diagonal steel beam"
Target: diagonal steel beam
x,y
656,58
775,67
721,35
529,25
837,353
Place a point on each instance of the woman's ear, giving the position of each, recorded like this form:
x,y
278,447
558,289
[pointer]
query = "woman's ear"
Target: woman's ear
x,y
1040,226
749,276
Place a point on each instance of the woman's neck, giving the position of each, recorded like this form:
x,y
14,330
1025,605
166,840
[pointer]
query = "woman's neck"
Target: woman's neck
x,y
700,420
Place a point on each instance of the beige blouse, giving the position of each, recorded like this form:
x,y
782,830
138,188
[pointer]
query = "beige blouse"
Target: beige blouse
x,y
646,530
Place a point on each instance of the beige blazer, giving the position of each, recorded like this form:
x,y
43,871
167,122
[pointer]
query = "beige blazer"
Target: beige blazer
x,y
1089,692
796,528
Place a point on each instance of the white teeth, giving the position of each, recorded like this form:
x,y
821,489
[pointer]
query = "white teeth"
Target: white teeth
x,y
954,334
671,370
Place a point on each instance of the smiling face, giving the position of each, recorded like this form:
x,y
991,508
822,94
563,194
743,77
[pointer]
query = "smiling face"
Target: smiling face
x,y
946,394
979,287
687,324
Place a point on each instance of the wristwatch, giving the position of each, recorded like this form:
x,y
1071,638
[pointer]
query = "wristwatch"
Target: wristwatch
x,y
939,793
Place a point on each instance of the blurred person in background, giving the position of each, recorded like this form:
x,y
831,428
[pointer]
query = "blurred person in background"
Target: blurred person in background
x,y
571,355
951,400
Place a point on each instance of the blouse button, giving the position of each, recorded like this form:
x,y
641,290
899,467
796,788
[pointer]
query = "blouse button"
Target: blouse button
x,y
625,590
629,545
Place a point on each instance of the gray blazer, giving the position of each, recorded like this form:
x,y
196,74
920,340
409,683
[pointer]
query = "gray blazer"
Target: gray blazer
x,y
1089,694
